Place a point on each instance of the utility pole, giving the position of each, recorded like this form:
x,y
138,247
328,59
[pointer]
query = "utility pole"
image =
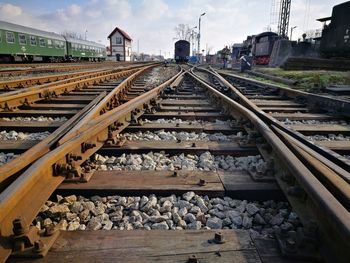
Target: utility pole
x,y
138,46
199,35
85,33
291,32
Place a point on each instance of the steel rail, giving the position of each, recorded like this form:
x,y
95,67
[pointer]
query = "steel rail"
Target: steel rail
x,y
335,163
339,105
10,169
340,171
26,82
25,196
67,67
77,78
23,97
100,105
110,101
327,210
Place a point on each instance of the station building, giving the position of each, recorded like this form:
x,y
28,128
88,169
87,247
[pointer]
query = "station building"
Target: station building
x,y
120,45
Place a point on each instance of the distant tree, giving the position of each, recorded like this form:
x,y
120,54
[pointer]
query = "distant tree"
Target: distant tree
x,y
71,34
182,32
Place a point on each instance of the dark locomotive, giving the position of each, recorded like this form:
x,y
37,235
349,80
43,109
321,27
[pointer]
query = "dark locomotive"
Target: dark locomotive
x,y
182,51
262,47
335,41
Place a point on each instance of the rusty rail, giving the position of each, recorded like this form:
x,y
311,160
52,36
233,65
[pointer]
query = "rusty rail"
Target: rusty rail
x,y
10,101
100,105
27,82
54,68
25,196
323,181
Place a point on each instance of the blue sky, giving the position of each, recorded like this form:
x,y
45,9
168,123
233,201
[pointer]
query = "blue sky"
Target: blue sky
x,y
152,22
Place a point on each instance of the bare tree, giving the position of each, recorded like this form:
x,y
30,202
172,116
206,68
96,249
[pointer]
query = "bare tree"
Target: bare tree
x,y
183,32
71,34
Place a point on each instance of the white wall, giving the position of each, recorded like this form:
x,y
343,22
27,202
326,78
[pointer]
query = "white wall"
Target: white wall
x,y
118,48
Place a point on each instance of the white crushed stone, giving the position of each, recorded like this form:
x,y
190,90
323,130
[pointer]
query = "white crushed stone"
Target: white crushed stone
x,y
311,122
329,137
162,135
161,161
189,211
194,122
6,157
14,136
39,119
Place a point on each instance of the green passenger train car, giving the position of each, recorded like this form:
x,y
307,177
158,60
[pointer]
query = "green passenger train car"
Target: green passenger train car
x,y
78,49
21,43
28,44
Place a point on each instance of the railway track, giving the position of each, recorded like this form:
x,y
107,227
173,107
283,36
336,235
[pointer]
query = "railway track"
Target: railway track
x,y
53,68
182,155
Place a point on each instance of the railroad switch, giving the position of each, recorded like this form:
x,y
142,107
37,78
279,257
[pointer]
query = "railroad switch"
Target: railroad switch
x,y
29,242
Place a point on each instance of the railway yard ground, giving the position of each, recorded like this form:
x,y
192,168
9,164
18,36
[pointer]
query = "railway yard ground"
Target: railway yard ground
x,y
146,162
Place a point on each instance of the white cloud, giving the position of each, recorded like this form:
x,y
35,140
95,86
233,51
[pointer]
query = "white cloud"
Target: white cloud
x,y
152,22
9,10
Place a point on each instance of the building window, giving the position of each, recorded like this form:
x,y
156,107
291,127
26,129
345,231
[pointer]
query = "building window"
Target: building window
x,y
33,40
22,39
10,37
49,43
118,40
41,42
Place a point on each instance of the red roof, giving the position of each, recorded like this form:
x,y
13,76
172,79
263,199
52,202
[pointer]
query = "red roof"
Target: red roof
x,y
122,32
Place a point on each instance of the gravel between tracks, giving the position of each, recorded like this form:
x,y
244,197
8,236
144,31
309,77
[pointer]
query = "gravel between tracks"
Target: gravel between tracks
x,y
14,136
39,119
6,157
188,211
158,75
311,122
162,135
329,137
194,122
161,161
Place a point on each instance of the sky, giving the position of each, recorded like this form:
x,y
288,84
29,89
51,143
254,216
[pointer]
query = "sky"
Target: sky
x,y
151,23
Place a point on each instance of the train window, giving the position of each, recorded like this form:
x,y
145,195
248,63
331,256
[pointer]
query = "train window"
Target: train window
x,y
62,44
10,37
49,43
118,40
32,40
57,44
42,42
0,37
22,39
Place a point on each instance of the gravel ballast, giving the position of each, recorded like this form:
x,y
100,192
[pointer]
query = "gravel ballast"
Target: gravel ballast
x,y
14,136
39,119
188,211
329,137
161,161
162,135
6,157
311,122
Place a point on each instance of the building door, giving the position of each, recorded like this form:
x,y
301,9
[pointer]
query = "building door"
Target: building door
x,y
118,57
